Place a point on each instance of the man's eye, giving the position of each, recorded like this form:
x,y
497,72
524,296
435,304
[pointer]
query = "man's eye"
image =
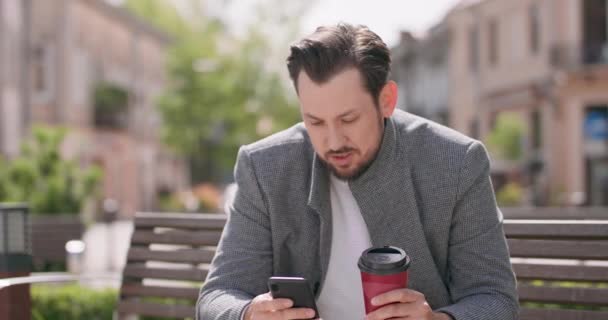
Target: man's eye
x,y
349,120
315,123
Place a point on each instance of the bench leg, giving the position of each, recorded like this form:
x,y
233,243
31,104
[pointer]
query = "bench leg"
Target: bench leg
x,y
15,301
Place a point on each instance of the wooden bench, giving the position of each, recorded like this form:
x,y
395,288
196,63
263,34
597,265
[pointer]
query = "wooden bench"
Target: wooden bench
x,y
168,257
548,247
560,257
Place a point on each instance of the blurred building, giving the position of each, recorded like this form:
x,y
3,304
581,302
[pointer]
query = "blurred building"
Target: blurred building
x,y
97,70
545,61
420,68
12,66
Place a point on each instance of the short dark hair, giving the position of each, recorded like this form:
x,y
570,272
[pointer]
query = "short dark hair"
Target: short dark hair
x,y
332,49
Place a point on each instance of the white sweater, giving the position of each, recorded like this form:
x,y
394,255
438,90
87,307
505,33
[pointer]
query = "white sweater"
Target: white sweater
x,y
342,296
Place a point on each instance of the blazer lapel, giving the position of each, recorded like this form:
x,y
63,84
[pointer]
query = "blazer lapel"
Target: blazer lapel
x,y
319,200
387,199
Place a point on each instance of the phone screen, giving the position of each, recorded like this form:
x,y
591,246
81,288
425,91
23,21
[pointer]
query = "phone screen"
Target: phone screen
x,y
294,288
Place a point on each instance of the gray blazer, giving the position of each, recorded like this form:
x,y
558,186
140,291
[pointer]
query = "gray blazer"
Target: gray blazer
x,y
428,191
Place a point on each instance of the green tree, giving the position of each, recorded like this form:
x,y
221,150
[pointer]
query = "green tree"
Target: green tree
x,y
505,140
45,181
222,92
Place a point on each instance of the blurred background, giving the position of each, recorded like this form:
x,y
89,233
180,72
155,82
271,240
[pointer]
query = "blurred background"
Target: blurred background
x,y
149,100
108,108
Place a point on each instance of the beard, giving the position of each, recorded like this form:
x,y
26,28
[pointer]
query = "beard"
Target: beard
x,y
358,171
367,162
351,175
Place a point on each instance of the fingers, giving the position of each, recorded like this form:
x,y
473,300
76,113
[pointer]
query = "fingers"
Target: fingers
x,y
264,307
295,313
265,303
393,311
399,295
401,303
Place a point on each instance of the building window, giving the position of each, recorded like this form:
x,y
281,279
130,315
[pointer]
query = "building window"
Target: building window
x,y
595,29
474,48
537,132
38,66
81,77
493,42
474,129
514,31
534,21
42,77
595,147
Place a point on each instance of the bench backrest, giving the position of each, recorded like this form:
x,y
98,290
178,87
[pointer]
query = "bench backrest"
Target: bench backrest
x,y
561,265
168,257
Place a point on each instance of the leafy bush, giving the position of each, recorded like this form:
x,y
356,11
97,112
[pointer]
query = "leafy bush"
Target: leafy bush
x,y
505,140
72,302
510,195
45,181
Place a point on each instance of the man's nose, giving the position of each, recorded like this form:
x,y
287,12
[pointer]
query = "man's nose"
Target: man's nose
x,y
335,140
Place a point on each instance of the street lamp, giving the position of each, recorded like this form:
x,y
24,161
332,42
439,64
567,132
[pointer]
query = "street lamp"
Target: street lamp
x,y
15,260
14,238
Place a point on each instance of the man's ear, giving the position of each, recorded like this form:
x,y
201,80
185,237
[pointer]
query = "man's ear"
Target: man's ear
x,y
388,99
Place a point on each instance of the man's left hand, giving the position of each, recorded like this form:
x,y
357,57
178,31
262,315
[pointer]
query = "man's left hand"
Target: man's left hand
x,y
403,304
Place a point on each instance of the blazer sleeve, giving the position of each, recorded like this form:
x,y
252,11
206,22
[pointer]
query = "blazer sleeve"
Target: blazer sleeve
x,y
243,260
480,278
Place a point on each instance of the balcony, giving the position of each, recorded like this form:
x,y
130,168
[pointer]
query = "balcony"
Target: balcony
x,y
595,53
111,107
573,57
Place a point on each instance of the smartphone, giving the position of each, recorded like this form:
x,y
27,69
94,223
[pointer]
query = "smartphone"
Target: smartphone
x,y
294,288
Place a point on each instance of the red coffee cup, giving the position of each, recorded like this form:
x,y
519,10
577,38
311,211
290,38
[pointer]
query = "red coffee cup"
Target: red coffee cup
x,y
382,269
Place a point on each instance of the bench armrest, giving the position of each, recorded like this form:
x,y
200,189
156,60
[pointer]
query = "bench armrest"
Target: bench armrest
x,y
51,278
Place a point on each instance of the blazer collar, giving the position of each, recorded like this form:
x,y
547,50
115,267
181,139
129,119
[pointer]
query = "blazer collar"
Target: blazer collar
x,y
378,172
387,197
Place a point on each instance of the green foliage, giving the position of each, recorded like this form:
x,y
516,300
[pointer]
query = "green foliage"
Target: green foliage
x,y
72,302
111,104
161,14
45,181
218,97
168,202
510,194
565,284
506,138
110,97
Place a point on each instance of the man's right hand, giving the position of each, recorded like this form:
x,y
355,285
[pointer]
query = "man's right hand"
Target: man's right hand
x,y
264,307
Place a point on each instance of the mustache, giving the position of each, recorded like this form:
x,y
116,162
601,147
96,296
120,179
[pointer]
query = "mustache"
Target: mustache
x,y
339,151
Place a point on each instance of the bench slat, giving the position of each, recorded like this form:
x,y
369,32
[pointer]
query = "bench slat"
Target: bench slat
x,y
156,309
575,213
559,249
133,289
560,272
138,271
584,296
196,256
556,229
561,314
181,221
195,238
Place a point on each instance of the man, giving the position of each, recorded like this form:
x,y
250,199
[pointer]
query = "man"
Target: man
x,y
358,173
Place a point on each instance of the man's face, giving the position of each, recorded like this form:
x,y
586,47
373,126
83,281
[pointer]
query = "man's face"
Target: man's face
x,y
343,121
